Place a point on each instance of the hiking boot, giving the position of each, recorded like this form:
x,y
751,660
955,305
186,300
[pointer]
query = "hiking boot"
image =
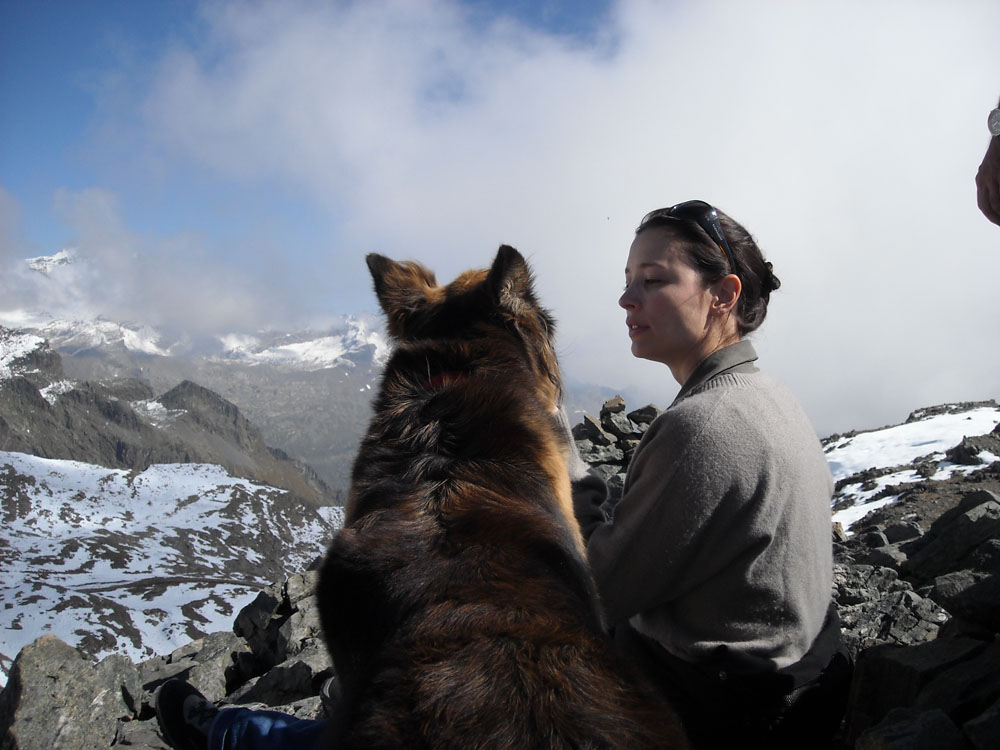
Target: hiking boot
x,y
184,715
329,695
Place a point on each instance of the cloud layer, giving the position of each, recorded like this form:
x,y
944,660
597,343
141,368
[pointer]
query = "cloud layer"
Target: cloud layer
x,y
845,135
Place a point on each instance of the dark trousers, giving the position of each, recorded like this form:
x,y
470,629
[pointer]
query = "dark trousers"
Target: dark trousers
x,y
723,705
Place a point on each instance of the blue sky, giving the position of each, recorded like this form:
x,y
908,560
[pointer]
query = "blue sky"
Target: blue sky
x,y
225,165
59,61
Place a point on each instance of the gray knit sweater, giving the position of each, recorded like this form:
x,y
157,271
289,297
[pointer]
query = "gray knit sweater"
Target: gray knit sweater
x,y
722,536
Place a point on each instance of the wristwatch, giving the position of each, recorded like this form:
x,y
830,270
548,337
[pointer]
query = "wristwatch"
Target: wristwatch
x,y
993,121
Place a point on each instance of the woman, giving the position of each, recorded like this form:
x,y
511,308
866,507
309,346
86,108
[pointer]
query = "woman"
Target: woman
x,y
716,569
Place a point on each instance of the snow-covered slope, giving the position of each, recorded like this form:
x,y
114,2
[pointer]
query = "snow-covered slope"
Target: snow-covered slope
x,y
15,346
311,350
865,464
110,560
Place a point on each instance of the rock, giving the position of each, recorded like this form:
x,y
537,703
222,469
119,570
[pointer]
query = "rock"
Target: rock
x,y
214,664
971,595
56,699
902,532
591,429
908,729
889,677
293,680
875,539
966,689
645,415
615,422
955,536
615,405
984,731
619,425
600,454
254,622
918,611
888,556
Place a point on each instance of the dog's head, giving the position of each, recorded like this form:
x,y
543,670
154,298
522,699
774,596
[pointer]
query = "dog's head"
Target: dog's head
x,y
474,307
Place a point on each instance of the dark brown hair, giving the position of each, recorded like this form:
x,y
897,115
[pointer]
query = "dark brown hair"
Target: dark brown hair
x,y
755,274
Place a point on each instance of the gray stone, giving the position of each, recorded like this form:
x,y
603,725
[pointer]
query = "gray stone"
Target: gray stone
x,y
902,532
619,425
888,556
953,541
213,664
965,689
645,414
600,454
984,730
591,429
875,539
615,405
56,699
889,676
907,729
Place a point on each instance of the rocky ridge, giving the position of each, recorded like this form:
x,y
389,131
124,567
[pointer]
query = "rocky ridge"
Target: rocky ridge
x,y
278,379
132,524
119,424
915,584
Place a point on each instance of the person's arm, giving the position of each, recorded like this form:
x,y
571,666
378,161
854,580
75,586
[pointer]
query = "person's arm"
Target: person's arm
x,y
676,526
988,181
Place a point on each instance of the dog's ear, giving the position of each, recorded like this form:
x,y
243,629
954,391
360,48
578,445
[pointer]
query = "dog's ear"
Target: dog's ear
x,y
510,281
401,288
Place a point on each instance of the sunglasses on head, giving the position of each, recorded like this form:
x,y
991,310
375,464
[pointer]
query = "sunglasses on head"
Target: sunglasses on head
x,y
704,215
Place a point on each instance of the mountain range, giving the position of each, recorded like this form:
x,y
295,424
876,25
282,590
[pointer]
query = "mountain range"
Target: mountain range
x,y
149,487
307,390
133,523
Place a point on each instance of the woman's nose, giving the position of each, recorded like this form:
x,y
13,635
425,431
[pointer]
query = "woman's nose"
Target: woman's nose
x,y
626,300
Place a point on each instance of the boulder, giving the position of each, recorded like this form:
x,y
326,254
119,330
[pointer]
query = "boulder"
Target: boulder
x,y
56,699
645,415
953,538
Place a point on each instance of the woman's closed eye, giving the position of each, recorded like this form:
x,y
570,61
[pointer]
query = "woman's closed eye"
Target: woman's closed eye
x,y
652,281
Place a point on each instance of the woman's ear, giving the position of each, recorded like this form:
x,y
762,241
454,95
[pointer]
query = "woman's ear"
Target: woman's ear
x,y
726,293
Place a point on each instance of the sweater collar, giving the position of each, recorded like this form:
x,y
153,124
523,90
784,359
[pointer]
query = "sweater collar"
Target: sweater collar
x,y
725,359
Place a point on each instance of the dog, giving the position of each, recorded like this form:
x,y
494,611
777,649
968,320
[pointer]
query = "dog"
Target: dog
x,y
456,601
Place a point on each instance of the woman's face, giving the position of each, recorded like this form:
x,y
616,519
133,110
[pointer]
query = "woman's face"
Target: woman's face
x,y
667,305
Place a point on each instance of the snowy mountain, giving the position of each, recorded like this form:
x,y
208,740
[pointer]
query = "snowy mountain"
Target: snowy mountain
x,y
140,511
47,264
120,424
307,391
139,563
872,468
117,535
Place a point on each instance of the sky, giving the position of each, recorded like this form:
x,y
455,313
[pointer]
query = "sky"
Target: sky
x,y
226,165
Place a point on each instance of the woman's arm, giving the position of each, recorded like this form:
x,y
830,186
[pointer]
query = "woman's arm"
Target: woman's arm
x,y
678,521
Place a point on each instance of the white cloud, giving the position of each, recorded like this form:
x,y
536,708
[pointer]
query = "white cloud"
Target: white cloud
x,y
126,276
845,135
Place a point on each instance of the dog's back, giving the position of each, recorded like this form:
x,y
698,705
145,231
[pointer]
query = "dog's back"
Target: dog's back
x,y
456,600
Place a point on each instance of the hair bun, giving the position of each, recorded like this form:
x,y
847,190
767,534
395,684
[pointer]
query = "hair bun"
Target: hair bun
x,y
770,282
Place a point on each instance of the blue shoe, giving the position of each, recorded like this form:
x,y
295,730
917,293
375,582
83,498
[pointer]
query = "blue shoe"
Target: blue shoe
x,y
184,715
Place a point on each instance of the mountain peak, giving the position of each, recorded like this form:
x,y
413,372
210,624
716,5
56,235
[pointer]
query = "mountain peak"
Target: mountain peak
x,y
46,264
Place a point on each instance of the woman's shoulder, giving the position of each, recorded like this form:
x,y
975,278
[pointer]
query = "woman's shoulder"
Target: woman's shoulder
x,y
691,415
743,401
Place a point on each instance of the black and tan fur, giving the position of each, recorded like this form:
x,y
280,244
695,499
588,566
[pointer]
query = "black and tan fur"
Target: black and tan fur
x,y
456,601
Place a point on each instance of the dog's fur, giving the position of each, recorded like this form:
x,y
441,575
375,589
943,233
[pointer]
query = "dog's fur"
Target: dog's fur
x,y
456,601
